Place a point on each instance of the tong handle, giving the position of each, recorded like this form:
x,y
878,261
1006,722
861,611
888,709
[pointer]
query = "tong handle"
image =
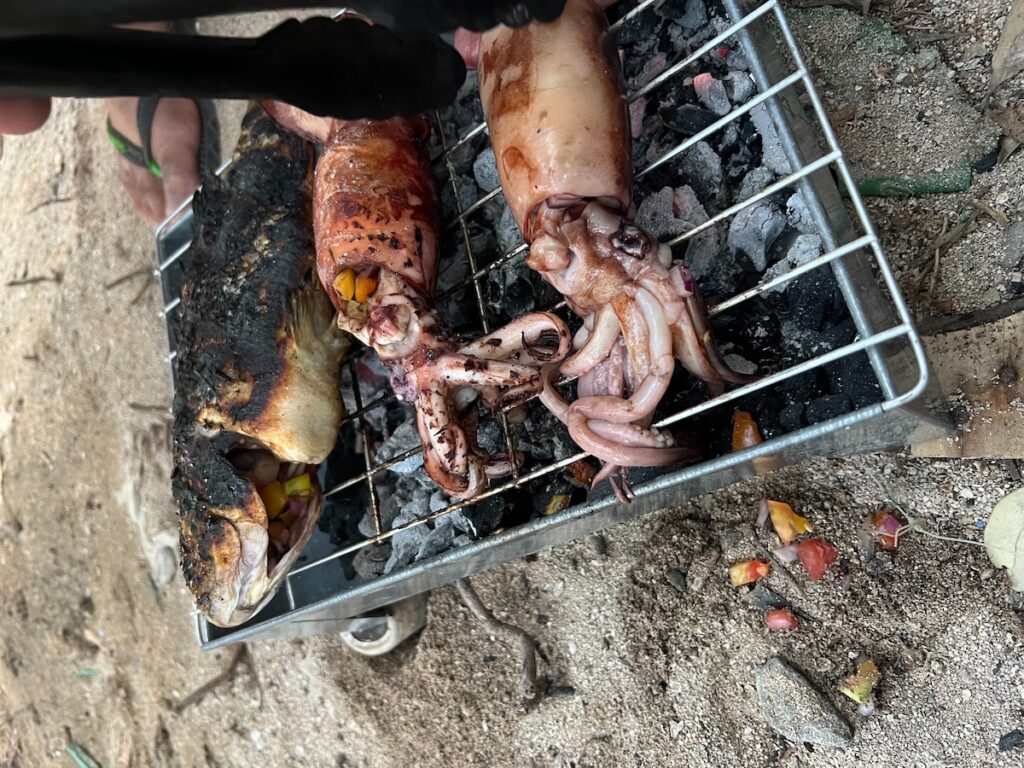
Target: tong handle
x,y
344,69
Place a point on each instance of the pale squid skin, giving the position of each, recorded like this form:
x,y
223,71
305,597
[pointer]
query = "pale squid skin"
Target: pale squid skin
x,y
554,98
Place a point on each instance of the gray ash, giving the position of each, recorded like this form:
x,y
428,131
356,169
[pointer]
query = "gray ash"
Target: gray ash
x,y
792,323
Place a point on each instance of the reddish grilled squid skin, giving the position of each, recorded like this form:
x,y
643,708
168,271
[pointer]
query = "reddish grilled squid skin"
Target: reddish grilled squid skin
x,y
554,97
376,227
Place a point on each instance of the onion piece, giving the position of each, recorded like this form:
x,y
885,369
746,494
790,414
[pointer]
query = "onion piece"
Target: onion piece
x,y
762,513
787,554
781,620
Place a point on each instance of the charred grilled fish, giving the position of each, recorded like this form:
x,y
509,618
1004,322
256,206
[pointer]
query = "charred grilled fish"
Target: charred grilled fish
x,y
257,405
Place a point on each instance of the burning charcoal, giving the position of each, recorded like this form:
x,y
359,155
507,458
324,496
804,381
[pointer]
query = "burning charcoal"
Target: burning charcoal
x,y
799,216
657,214
401,440
440,534
688,14
804,249
508,233
370,561
791,418
467,196
701,168
482,518
653,67
854,376
405,545
637,113
453,269
811,300
740,364
827,407
508,290
489,436
711,93
754,229
740,86
754,182
639,28
485,171
687,119
772,153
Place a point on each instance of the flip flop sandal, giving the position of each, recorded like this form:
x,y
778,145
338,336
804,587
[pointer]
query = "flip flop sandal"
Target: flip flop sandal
x,y
209,129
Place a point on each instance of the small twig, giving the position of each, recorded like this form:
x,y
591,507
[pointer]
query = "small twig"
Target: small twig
x,y
140,294
215,682
528,648
126,278
161,409
935,266
51,201
56,277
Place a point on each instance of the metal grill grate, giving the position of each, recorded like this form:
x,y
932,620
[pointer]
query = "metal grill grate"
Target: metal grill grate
x,y
313,593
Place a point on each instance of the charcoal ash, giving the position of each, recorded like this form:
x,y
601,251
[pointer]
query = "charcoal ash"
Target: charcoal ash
x,y
754,181
799,216
541,436
701,168
686,119
805,248
754,230
485,171
740,87
468,194
712,94
772,152
419,542
507,231
403,439
513,289
481,519
690,15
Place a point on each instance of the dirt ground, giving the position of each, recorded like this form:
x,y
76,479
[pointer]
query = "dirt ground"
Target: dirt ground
x,y
97,639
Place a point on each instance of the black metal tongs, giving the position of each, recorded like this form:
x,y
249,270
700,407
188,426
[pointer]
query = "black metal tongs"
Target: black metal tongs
x,y
344,69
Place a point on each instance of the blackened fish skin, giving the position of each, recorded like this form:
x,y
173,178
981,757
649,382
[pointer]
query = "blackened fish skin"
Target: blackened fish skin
x,y
257,366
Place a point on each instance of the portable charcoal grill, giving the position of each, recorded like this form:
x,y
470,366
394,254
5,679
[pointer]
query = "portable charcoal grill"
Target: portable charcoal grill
x,y
319,596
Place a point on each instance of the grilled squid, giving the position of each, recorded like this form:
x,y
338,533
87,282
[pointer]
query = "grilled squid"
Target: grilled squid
x,y
554,97
376,224
257,403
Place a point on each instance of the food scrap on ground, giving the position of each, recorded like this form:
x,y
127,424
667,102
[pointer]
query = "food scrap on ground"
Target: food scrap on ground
x,y
781,620
860,686
816,555
748,571
787,523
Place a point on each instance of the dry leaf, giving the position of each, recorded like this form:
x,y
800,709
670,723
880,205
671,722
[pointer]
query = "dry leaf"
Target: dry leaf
x,y
1007,146
1004,537
841,116
1010,119
1008,59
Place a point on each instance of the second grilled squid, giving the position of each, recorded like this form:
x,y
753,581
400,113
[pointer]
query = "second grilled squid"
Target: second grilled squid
x,y
376,225
554,97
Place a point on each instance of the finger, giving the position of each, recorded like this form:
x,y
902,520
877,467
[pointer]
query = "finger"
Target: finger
x,y
19,116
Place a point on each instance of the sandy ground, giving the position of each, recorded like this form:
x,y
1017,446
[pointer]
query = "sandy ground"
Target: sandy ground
x,y
96,636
